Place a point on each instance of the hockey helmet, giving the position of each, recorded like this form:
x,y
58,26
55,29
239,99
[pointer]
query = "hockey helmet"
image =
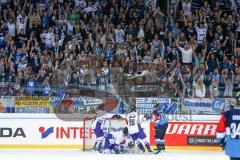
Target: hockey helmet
x,y
156,112
125,131
132,108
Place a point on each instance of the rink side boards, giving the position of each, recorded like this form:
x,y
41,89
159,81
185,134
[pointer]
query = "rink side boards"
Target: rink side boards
x,y
80,147
31,123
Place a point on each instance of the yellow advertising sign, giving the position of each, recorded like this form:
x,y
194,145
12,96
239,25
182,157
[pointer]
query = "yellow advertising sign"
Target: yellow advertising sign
x,y
27,102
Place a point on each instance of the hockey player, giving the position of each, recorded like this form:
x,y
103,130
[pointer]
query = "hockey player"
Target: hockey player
x,y
110,145
160,126
136,131
229,128
97,127
117,143
125,141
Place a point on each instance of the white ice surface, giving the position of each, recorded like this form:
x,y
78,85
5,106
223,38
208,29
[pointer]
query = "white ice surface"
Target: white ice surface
x,y
79,155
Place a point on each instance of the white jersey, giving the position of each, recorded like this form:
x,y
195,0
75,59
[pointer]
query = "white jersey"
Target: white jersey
x,y
48,38
121,139
96,122
201,33
11,29
21,25
186,55
133,122
103,121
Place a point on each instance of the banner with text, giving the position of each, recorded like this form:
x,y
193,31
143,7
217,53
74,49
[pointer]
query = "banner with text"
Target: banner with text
x,y
205,105
146,105
47,130
32,104
188,134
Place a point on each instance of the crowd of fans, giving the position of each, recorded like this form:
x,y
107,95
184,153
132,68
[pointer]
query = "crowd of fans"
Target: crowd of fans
x,y
189,48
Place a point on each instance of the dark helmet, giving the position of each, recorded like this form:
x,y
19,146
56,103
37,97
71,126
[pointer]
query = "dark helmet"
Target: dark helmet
x,y
125,131
156,106
133,108
156,112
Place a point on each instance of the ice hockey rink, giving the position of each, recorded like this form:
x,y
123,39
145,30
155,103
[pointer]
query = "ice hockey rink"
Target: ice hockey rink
x,y
79,155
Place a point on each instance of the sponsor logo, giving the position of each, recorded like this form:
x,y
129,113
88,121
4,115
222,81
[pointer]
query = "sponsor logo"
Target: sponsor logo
x,y
9,132
66,132
169,109
185,133
201,141
191,103
218,104
192,129
46,133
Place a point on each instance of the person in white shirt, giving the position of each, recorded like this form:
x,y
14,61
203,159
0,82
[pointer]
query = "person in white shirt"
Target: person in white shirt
x,y
70,28
119,34
199,88
48,38
229,83
201,31
23,64
186,5
11,28
21,23
187,52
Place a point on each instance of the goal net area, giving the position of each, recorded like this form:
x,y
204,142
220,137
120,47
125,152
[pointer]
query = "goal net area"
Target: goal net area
x,y
112,124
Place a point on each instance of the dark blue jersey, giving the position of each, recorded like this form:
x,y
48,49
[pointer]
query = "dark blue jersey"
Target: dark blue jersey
x,y
229,128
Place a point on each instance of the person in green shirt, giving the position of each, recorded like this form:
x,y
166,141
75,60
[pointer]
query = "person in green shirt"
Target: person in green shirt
x,y
73,16
199,58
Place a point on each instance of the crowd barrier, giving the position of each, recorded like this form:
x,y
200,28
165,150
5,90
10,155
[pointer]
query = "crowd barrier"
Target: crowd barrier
x,y
145,105
46,131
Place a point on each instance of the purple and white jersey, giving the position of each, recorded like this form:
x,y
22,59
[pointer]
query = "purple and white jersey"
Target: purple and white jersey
x,y
109,141
139,135
97,126
134,124
100,123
